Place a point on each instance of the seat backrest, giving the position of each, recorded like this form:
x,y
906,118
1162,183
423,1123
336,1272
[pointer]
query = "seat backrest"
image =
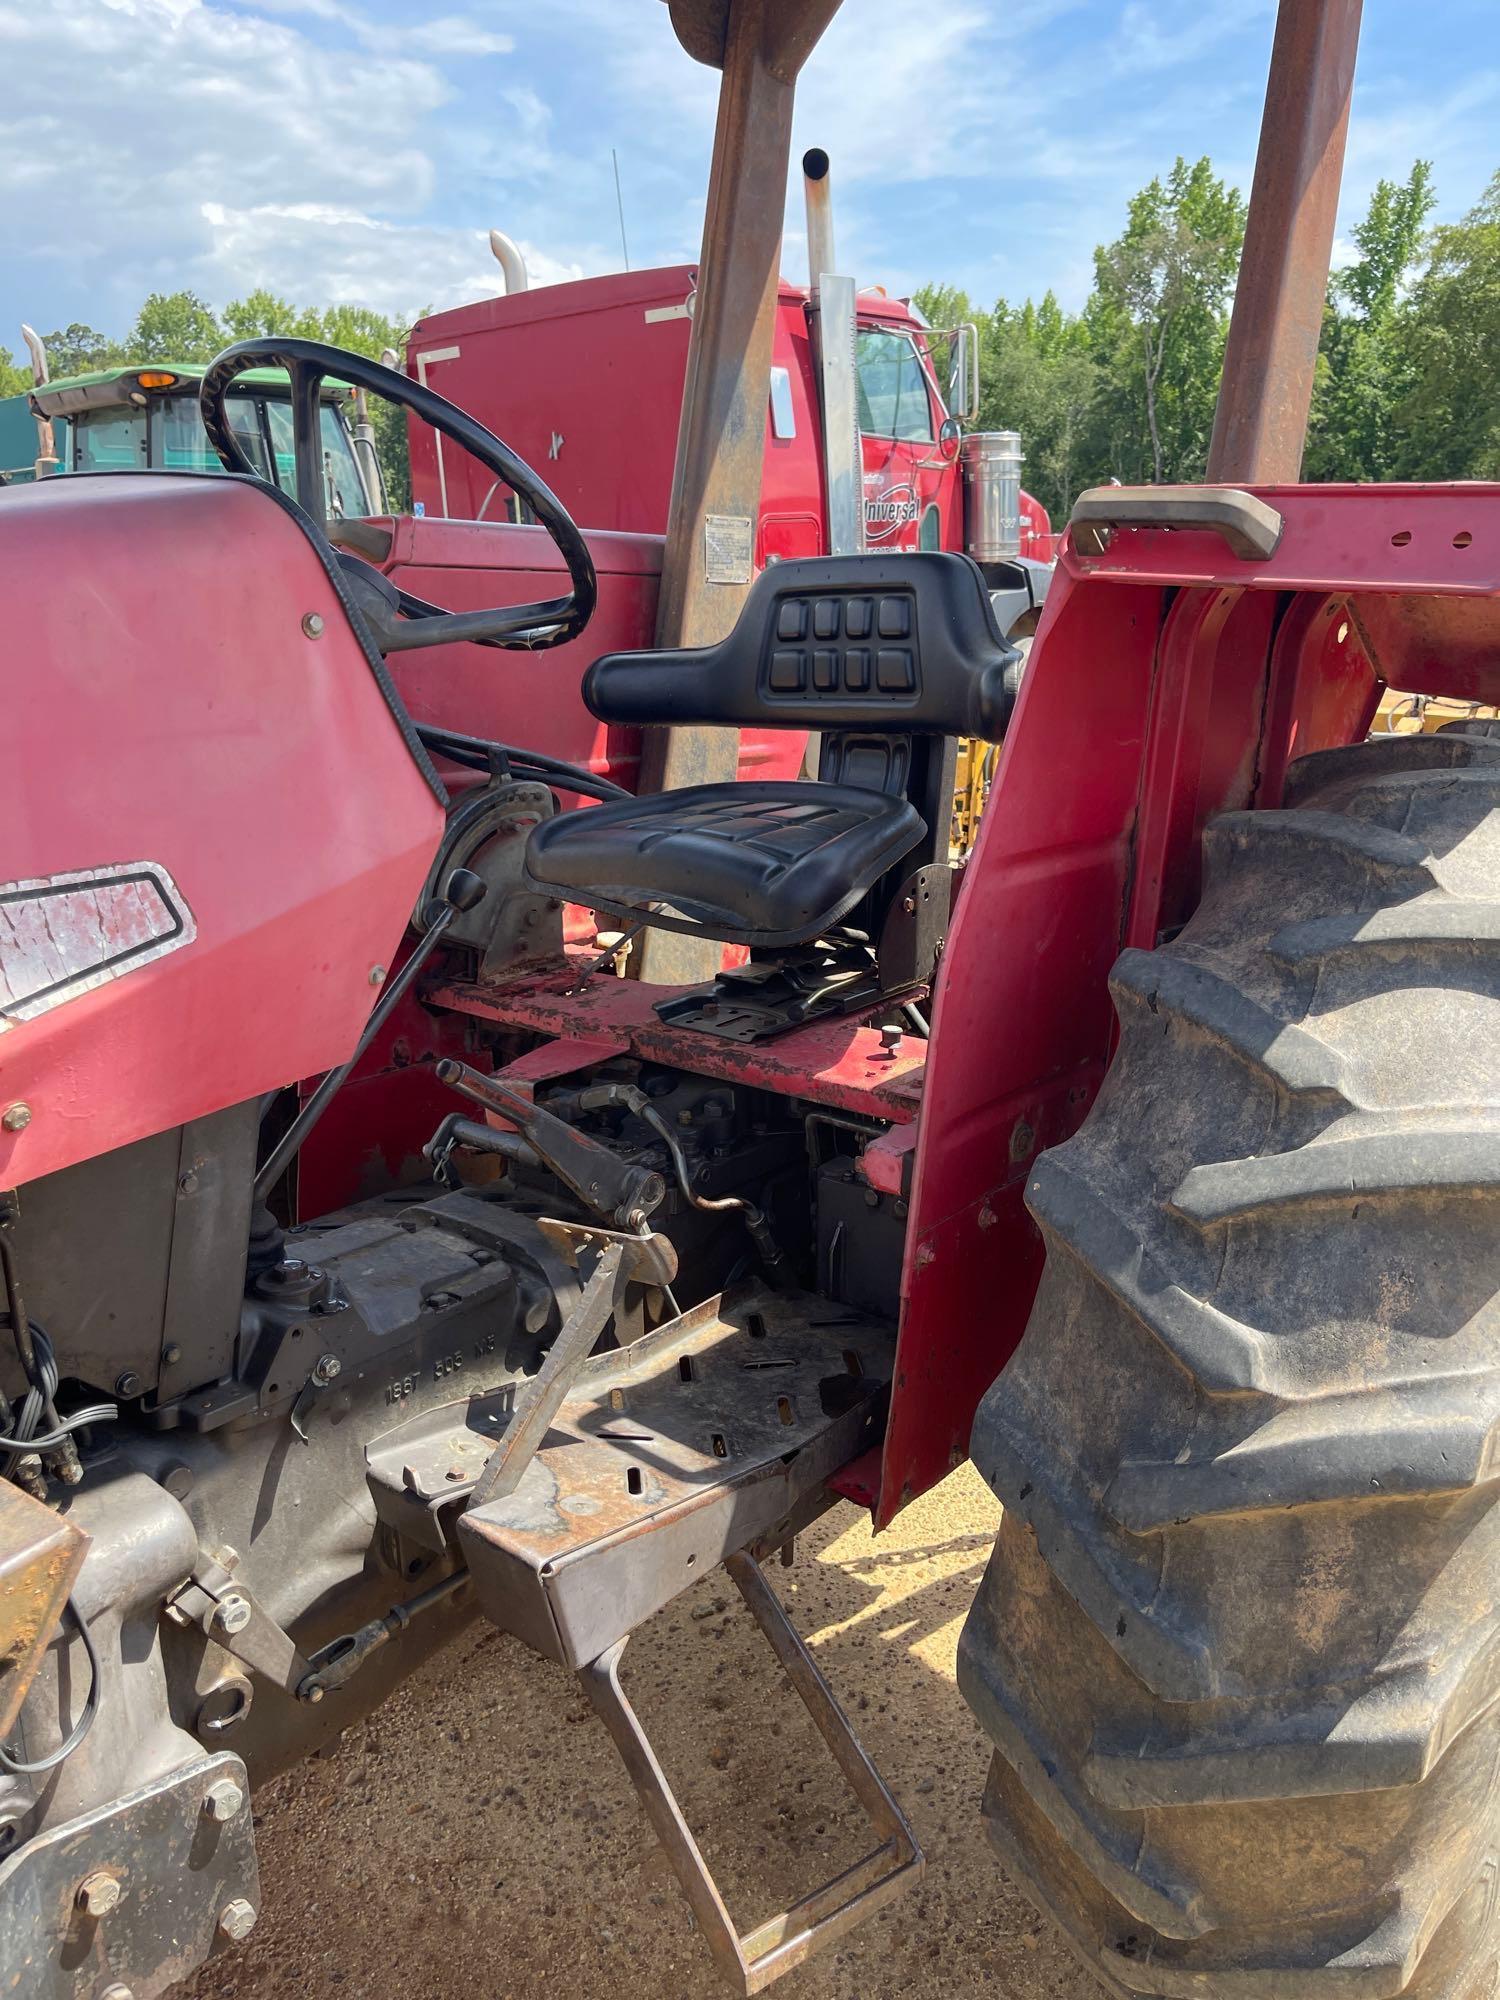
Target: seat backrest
x,y
881,644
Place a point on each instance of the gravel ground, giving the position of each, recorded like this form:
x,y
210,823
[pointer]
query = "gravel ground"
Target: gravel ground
x,y
478,1839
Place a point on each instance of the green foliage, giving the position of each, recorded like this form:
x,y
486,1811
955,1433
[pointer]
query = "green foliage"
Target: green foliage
x,y
1038,376
78,350
13,378
1406,385
175,326
1158,319
1364,359
1447,417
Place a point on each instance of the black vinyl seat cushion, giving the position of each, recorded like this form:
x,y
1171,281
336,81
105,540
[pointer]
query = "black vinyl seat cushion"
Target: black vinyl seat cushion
x,y
754,863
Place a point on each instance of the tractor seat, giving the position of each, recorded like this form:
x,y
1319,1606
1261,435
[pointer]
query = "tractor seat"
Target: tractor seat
x,y
889,658
753,863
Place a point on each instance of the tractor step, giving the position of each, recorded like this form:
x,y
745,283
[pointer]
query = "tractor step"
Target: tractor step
x,y
750,1962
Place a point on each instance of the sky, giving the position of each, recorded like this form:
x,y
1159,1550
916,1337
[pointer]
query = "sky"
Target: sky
x,y
358,151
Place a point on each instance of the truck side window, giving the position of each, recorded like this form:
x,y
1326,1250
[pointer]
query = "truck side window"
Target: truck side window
x,y
893,400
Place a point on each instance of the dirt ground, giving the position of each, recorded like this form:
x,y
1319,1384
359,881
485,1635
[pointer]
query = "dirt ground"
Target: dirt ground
x,y
478,1839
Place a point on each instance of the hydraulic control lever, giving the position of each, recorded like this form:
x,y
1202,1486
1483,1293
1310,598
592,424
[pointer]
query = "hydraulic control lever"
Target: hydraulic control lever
x,y
623,1194
620,1261
463,892
458,1131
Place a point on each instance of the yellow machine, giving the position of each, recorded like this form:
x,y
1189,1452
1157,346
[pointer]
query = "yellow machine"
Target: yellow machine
x,y
1420,714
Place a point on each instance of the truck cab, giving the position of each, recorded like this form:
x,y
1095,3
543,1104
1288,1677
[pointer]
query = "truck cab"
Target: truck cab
x,y
587,379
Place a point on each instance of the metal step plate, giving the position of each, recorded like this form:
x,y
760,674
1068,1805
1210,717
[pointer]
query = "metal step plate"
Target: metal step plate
x,y
694,1442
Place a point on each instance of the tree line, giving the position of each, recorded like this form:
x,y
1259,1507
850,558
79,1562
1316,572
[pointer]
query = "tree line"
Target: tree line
x,y
1407,383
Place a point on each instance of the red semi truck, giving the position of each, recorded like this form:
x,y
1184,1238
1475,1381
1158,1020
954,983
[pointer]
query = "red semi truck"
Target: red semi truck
x,y
587,380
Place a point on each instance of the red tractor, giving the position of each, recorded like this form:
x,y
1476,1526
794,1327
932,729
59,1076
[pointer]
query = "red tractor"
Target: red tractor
x,y
374,1257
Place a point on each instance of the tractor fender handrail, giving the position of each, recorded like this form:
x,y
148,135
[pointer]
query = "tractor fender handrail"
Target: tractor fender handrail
x,y
1250,527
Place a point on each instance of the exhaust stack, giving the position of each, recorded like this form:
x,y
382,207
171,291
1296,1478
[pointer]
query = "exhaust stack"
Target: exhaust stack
x,y
39,371
511,262
817,193
47,460
832,324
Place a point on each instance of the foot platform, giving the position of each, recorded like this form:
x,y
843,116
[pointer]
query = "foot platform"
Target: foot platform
x,y
716,1431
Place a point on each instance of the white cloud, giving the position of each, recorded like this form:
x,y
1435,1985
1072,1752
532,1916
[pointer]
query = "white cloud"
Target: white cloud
x,y
446,35
396,268
183,144
1153,35
456,35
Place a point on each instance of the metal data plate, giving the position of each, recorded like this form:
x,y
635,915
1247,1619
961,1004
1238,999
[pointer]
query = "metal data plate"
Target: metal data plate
x,y
177,1869
671,1454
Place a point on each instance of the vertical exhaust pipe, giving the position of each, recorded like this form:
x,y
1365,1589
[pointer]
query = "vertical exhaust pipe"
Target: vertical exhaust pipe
x,y
47,460
817,193
511,262
832,325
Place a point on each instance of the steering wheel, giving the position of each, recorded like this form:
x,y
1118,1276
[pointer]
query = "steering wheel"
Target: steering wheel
x,y
308,363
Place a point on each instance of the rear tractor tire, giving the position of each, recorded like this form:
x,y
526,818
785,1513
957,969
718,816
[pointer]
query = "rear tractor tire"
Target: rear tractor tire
x,y
1237,1646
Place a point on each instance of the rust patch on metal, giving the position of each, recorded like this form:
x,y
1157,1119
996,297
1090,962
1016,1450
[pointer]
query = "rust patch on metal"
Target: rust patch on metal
x,y
839,1063
40,1557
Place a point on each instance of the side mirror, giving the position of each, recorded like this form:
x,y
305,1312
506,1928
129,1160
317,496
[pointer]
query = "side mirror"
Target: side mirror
x,y
949,437
963,372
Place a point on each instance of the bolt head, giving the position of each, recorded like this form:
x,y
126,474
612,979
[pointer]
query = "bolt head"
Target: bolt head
x,y
129,1384
232,1613
171,1354
377,975
222,1800
237,1919
99,1893
327,1367
312,625
16,1117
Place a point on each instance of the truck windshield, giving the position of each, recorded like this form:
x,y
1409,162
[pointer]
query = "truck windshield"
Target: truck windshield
x,y
170,436
893,399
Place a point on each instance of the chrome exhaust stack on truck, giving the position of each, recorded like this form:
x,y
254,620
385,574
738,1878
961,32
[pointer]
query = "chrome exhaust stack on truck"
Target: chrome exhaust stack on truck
x,y
832,324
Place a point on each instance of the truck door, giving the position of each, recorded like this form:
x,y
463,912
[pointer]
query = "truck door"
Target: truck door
x,y
907,484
